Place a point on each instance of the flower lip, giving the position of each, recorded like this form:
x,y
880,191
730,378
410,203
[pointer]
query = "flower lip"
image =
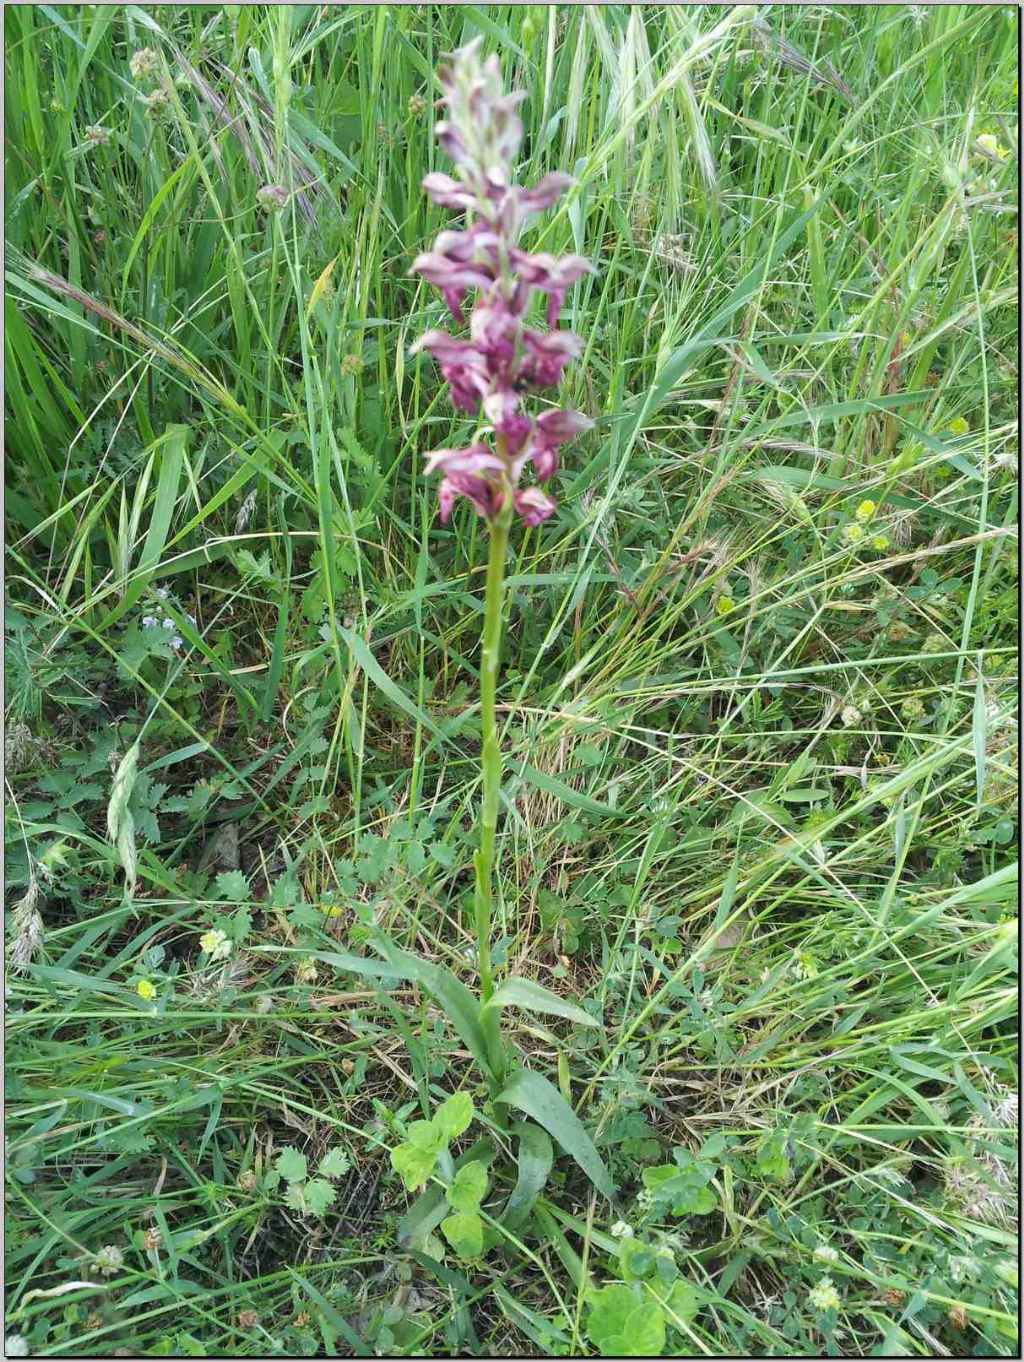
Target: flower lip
x,y
447,192
545,193
557,426
533,505
475,459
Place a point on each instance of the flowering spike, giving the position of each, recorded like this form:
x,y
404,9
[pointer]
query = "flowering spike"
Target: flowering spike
x,y
503,357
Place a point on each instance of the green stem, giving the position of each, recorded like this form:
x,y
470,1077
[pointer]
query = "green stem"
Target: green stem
x,y
491,771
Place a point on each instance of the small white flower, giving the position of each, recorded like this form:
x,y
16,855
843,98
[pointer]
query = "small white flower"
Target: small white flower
x,y
961,1267
216,944
168,624
108,1260
824,1296
825,1253
149,622
143,63
620,1230
850,716
176,642
1006,1111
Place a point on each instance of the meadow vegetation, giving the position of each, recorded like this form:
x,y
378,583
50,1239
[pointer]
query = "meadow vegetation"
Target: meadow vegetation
x,y
758,815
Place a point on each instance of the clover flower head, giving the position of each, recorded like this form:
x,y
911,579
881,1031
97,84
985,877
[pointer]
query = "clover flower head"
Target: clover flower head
x,y
306,971
503,358
97,135
146,990
216,944
825,1253
108,1260
156,100
824,1296
853,533
866,510
272,197
143,63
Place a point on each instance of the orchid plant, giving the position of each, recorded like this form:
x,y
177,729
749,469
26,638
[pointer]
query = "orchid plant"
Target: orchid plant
x,y
490,373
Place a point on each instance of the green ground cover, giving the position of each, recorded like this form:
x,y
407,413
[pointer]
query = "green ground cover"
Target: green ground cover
x,y
757,705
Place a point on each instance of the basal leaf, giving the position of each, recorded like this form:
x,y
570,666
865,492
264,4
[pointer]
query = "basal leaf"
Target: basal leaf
x,y
291,1164
334,1164
319,1196
454,997
534,997
535,1158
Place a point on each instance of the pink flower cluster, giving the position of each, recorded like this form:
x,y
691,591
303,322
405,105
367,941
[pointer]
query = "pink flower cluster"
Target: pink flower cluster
x,y
502,358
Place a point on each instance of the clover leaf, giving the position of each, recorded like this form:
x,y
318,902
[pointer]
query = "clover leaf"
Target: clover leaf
x,y
468,1188
464,1230
623,1322
413,1165
454,1115
681,1186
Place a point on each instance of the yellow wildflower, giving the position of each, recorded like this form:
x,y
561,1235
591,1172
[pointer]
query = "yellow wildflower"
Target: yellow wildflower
x,y
880,542
853,533
990,145
866,510
958,426
146,990
725,604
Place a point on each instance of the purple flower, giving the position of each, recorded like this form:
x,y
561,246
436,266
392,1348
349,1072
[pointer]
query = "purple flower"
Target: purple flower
x,y
552,429
503,358
551,274
463,366
474,473
547,355
533,505
447,192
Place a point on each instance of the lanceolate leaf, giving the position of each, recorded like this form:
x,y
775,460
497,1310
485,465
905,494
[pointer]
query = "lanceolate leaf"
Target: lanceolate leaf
x,y
534,997
535,1159
450,993
462,1008
533,1094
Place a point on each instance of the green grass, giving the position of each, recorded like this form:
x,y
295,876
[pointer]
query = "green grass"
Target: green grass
x,y
759,805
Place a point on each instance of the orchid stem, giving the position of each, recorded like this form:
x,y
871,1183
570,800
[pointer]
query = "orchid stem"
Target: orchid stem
x,y
490,769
